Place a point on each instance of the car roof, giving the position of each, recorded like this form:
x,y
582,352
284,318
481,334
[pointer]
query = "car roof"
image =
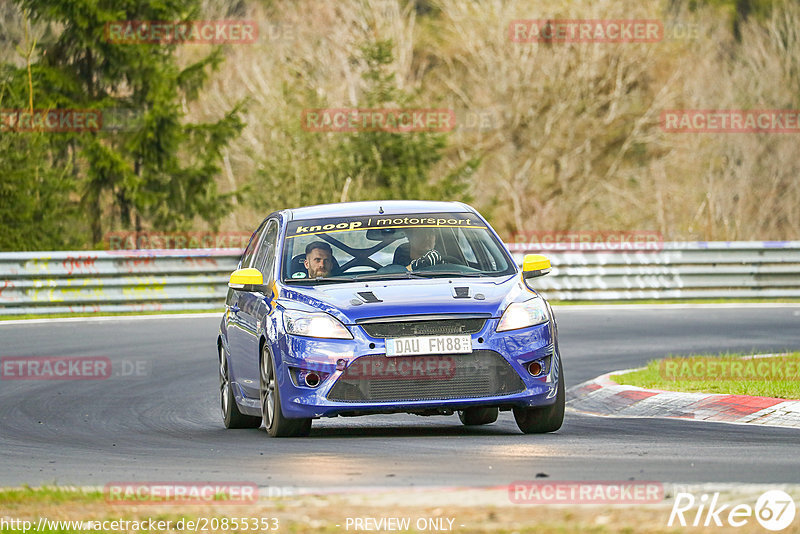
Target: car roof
x,y
376,207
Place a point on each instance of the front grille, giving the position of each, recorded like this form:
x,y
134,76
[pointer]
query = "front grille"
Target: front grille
x,y
379,378
423,328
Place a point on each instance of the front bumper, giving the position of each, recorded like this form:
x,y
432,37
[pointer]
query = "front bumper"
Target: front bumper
x,y
516,348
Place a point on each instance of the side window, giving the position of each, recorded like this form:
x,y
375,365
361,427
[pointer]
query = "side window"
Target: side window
x,y
249,252
265,256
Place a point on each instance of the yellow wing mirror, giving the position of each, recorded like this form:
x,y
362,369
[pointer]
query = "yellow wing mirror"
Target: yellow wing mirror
x,y
535,265
247,280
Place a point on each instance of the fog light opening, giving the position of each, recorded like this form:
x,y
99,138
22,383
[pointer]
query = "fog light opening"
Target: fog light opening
x,y
312,380
535,368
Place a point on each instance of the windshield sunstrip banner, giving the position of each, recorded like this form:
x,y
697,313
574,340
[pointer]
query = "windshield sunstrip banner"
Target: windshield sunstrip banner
x,y
416,220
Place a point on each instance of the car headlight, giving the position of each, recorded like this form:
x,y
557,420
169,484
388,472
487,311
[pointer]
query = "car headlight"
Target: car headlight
x,y
317,324
523,314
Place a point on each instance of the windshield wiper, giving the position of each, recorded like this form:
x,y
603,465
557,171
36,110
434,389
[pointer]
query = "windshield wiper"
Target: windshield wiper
x,y
432,274
386,276
366,277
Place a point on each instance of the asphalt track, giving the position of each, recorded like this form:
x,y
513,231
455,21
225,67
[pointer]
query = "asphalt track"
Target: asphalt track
x,y
164,425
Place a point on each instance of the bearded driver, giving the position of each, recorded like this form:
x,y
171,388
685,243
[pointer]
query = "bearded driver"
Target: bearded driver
x,y
319,259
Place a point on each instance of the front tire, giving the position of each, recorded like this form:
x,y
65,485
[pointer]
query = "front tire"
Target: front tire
x,y
478,416
276,424
543,419
231,416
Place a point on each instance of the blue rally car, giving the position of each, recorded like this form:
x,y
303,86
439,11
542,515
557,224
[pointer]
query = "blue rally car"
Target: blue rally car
x,y
380,307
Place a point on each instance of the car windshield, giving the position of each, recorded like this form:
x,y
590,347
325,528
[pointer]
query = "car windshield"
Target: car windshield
x,y
389,247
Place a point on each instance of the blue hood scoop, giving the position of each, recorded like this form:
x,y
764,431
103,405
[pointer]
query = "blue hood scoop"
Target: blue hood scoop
x,y
368,297
461,292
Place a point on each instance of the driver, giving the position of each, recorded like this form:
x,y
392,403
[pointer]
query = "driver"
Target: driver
x,y
420,246
319,259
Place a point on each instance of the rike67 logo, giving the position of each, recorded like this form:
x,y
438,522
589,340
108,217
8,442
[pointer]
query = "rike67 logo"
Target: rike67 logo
x,y
774,510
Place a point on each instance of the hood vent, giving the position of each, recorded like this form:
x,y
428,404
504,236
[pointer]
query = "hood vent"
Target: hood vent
x,y
461,292
368,297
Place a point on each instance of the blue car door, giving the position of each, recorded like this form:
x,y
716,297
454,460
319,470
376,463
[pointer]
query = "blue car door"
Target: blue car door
x,y
253,307
236,329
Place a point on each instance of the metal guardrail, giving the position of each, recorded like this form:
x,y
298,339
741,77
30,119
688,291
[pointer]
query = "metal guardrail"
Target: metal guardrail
x,y
691,270
196,279
114,281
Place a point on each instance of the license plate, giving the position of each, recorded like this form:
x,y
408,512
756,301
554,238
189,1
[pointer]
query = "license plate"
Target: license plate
x,y
406,346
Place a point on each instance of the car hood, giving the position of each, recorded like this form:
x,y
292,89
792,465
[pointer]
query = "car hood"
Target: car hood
x,y
352,302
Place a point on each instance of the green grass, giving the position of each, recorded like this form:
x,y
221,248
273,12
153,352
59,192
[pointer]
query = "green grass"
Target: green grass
x,y
100,314
48,495
721,373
